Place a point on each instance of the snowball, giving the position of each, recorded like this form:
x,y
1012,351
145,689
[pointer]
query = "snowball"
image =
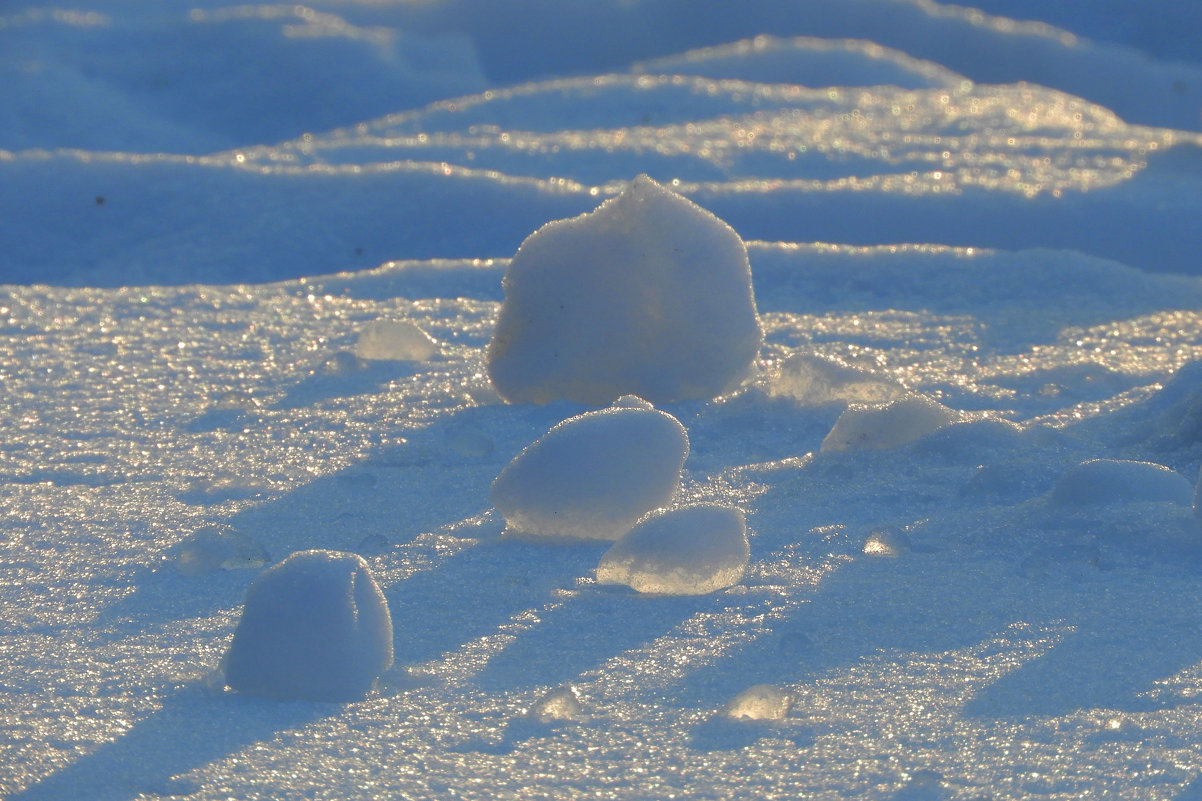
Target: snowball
x,y
649,294
594,475
687,551
761,702
815,380
315,626
880,426
392,340
1102,481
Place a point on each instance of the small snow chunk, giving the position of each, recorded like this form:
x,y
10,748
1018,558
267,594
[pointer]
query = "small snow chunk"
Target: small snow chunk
x,y
594,475
217,547
560,704
691,550
761,702
814,380
315,626
886,542
1105,481
881,426
648,294
395,340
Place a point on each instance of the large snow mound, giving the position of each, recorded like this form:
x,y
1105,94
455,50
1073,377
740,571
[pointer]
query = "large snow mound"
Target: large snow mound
x,y
647,295
593,476
315,626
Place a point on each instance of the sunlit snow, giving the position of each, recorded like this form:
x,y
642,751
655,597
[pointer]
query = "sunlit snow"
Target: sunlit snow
x,y
941,361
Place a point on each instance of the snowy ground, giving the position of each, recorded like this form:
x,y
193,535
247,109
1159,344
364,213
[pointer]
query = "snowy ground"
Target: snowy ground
x,y
202,206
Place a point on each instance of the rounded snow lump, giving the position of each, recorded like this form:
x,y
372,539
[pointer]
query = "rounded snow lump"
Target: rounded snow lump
x,y
594,475
1102,481
315,626
649,294
691,550
395,340
889,425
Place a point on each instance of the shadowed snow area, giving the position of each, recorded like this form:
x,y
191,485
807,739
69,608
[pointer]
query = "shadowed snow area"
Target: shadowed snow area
x,y
866,468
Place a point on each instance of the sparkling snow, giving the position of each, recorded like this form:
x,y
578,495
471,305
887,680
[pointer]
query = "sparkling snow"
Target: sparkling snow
x,y
203,208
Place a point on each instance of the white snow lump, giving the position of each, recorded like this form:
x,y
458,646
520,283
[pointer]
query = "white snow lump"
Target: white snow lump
x,y
314,627
648,295
592,476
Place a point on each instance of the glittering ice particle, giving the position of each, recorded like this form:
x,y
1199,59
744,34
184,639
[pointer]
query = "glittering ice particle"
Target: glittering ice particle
x,y
315,626
593,476
691,550
649,295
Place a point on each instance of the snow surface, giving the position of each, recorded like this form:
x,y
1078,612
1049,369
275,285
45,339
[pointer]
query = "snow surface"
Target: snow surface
x,y
203,207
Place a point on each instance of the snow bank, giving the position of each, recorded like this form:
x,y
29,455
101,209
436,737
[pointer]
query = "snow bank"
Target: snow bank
x,y
648,295
315,626
881,426
1106,481
814,380
593,476
692,550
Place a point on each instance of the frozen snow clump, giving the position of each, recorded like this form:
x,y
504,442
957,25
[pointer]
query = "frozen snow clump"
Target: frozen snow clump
x,y
649,295
1103,481
880,426
691,550
889,542
315,626
814,380
218,547
594,475
560,704
761,702
395,340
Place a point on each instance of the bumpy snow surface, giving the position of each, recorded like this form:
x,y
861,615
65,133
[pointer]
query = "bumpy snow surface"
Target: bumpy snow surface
x,y
649,295
252,259
314,626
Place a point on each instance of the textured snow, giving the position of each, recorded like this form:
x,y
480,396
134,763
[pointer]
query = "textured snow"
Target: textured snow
x,y
815,380
594,475
648,295
689,550
204,206
315,626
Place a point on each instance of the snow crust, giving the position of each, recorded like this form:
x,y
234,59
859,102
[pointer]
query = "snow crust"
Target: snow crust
x,y
648,295
394,340
690,550
315,626
593,476
1107,481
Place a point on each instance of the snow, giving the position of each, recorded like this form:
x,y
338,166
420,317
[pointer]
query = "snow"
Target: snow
x,y
315,626
887,425
594,475
1105,481
394,340
690,550
205,207
648,295
761,702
